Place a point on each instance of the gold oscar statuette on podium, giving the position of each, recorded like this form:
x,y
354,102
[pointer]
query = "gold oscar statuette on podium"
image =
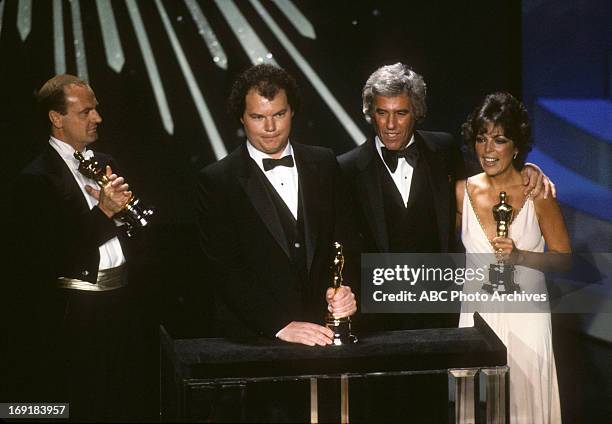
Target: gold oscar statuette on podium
x,y
133,214
501,274
340,326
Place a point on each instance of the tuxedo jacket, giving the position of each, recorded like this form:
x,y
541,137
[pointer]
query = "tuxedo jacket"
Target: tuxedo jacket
x,y
57,234
54,233
363,168
442,163
258,288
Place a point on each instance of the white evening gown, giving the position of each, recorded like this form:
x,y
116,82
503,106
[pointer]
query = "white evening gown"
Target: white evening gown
x,y
534,394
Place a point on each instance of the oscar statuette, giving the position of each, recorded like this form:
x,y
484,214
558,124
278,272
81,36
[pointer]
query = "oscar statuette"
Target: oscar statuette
x,y
501,274
340,326
133,214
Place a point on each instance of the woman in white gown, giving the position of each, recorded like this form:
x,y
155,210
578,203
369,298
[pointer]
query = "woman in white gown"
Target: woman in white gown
x,y
498,133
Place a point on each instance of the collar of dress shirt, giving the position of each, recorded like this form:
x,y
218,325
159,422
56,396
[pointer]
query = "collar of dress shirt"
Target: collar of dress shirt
x,y
259,156
380,145
66,151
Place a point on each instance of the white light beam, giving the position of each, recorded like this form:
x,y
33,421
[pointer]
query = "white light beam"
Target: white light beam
x,y
327,96
59,49
207,33
205,116
250,42
296,17
110,35
151,66
79,40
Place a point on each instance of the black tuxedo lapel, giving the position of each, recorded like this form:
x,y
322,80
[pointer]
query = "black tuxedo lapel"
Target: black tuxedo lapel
x,y
259,197
309,182
70,190
417,184
371,182
438,182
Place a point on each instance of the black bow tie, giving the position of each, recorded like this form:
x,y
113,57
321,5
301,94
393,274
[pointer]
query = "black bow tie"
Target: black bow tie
x,y
410,153
273,163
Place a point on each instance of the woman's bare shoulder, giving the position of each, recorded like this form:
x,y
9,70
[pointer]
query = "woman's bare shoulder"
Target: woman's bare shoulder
x,y
477,183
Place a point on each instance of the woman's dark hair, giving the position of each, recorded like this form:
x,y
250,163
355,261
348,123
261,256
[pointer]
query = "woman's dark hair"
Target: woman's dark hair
x,y
268,80
504,110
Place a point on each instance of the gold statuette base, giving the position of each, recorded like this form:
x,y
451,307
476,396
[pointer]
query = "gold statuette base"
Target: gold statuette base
x,y
342,330
501,279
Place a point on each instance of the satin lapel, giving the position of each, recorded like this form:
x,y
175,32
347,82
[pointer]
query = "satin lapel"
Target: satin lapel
x,y
309,186
71,192
438,181
260,199
372,198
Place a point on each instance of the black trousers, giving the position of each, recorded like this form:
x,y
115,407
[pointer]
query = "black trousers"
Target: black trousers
x,y
84,348
101,355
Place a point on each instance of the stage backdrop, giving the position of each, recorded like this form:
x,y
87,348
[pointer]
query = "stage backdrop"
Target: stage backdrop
x,y
162,70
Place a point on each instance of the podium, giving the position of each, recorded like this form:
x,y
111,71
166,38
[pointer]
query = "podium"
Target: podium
x,y
192,369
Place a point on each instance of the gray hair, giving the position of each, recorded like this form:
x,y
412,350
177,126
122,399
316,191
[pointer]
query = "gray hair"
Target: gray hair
x,y
392,81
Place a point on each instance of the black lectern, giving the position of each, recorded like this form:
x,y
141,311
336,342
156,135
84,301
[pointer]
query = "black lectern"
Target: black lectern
x,y
190,367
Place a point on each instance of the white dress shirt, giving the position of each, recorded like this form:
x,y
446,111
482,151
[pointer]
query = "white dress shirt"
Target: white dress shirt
x,y
111,254
402,177
283,179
